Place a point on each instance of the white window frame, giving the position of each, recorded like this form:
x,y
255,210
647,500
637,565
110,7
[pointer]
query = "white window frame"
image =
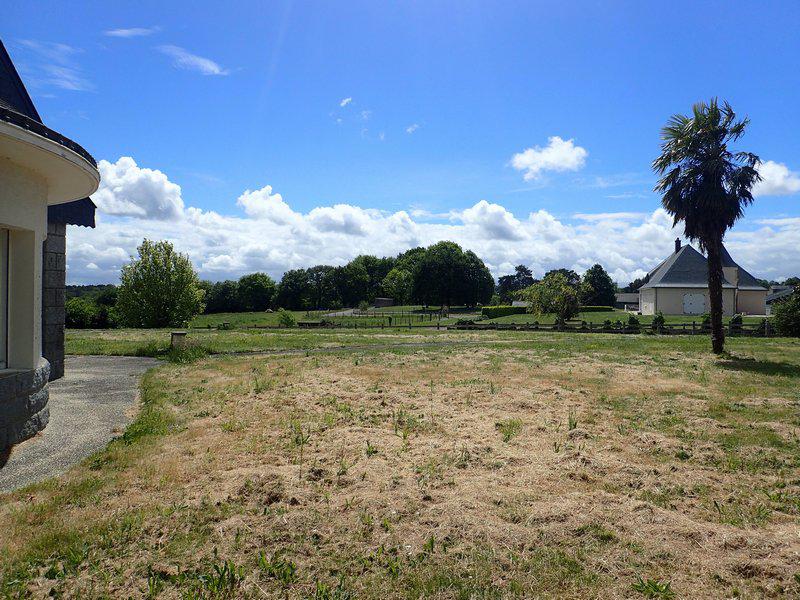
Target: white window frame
x,y
4,295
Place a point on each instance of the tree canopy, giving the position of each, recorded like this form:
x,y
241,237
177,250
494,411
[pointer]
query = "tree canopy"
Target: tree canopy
x,y
509,285
554,294
597,288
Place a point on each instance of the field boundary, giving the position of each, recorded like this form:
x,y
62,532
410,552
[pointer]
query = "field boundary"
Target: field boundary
x,y
694,328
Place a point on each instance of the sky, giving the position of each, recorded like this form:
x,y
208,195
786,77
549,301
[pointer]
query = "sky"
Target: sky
x,y
266,136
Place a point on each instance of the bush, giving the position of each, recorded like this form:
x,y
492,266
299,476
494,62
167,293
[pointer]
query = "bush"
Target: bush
x,y
286,319
633,321
658,321
589,309
81,313
786,317
736,324
493,312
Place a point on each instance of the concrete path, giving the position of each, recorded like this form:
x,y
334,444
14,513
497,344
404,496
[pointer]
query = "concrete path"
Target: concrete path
x,y
92,404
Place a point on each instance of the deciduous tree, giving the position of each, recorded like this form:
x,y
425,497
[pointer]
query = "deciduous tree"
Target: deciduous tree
x,y
159,289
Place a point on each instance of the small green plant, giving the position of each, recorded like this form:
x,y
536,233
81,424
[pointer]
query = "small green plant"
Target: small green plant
x,y
572,420
653,588
371,450
509,428
323,591
658,322
155,584
633,321
222,580
286,319
277,567
299,438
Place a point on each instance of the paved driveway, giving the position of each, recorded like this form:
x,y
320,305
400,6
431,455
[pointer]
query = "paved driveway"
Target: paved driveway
x,y
89,406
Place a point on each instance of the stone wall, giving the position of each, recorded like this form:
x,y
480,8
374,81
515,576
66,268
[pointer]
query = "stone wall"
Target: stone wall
x,y
53,298
23,403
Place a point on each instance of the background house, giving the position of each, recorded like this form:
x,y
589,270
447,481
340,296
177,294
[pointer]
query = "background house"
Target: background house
x,y
42,174
679,286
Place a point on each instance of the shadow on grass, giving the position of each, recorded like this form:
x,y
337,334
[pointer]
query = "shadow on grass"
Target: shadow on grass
x,y
762,367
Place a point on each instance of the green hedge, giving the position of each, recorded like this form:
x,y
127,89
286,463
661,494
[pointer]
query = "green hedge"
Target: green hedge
x,y
493,312
585,309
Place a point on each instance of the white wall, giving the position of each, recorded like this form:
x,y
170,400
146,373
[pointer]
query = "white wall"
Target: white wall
x,y
647,301
23,210
670,300
752,302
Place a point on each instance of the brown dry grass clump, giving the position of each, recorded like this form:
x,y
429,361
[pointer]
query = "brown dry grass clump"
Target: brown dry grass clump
x,y
453,473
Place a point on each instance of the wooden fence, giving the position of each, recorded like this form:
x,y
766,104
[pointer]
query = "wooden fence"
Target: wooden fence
x,y
763,329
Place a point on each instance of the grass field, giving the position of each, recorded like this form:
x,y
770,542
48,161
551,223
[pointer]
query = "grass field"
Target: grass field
x,y
391,316
492,465
251,319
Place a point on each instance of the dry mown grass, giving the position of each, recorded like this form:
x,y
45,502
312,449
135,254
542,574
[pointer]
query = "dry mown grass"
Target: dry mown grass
x,y
450,473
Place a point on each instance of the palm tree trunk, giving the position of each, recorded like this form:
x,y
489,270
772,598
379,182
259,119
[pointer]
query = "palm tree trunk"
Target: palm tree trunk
x,y
715,277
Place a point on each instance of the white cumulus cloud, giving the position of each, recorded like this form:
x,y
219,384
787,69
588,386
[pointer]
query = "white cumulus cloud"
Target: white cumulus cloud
x,y
558,155
776,180
262,232
183,59
263,204
129,190
345,101
492,221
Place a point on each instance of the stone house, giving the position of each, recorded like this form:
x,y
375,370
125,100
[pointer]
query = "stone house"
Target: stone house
x,y
45,181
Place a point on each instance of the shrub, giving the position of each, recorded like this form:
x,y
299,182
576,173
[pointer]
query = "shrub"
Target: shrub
x,y
736,323
493,312
658,321
633,321
786,317
589,309
81,313
286,319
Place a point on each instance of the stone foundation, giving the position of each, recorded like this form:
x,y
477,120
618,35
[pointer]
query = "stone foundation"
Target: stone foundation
x,y
23,403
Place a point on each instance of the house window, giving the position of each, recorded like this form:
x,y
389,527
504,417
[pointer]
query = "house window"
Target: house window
x,y
3,298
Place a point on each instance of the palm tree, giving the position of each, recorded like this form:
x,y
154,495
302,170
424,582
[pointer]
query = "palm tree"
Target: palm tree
x,y
706,186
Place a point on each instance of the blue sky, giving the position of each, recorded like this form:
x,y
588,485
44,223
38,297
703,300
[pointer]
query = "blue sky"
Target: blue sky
x,y
442,97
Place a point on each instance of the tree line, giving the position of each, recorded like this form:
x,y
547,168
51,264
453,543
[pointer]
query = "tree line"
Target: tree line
x,y
441,274
594,288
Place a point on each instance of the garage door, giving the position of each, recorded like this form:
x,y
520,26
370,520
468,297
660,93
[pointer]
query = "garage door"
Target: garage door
x,y
694,304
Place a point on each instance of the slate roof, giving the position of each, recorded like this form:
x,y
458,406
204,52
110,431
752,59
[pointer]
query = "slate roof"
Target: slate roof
x,y
780,295
746,281
17,108
688,268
